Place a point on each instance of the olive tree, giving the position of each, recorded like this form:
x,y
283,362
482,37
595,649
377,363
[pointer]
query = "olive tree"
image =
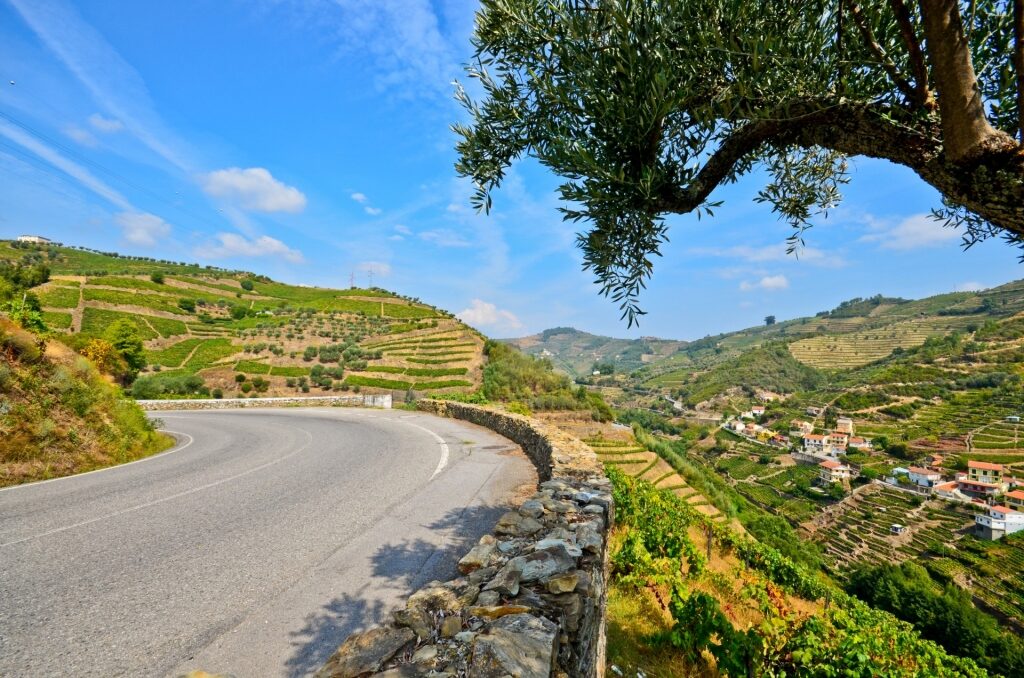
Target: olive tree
x,y
645,107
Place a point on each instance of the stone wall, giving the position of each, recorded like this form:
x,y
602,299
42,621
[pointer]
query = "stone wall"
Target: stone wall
x,y
234,403
531,601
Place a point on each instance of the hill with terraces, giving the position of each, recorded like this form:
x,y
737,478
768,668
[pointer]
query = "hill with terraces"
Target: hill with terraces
x,y
213,331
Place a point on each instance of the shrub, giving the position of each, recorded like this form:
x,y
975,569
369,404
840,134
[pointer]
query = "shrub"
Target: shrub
x,y
187,305
157,277
217,393
239,378
247,285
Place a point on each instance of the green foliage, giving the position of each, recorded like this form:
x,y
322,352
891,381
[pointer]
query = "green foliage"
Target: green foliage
x,y
169,386
770,367
125,339
157,277
247,285
59,297
943,614
25,313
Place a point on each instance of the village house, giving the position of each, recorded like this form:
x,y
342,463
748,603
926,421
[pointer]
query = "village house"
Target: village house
x,y
34,239
998,522
813,411
768,396
1015,499
844,425
923,477
982,480
799,428
858,443
948,490
757,410
832,472
814,443
836,443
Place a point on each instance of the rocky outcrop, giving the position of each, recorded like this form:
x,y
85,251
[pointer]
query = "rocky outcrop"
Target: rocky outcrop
x,y
531,599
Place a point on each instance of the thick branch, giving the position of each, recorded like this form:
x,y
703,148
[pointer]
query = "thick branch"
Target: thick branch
x,y
890,67
917,64
992,186
966,132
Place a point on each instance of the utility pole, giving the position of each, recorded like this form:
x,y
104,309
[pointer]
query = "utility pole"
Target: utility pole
x,y
352,279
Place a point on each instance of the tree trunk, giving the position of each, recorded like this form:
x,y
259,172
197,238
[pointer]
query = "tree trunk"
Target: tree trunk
x,y
966,132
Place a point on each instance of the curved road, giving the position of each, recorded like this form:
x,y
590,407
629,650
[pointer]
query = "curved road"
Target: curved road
x,y
252,548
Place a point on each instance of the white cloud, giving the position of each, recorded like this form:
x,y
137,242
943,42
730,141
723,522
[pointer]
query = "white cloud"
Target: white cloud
x,y
970,287
235,245
141,228
378,268
396,237
485,314
914,232
255,189
403,229
372,211
82,136
444,237
774,252
359,197
105,125
769,283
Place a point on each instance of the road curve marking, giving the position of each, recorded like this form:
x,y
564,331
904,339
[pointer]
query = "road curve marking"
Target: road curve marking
x,y
110,468
164,499
443,461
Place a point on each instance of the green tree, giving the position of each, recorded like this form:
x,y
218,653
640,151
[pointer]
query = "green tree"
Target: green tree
x,y
646,108
125,339
769,320
157,277
247,285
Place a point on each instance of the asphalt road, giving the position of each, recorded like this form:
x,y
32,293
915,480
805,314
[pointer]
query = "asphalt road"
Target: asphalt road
x,y
252,548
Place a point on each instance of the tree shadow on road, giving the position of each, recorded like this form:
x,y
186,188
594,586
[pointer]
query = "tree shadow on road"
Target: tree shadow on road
x,y
405,565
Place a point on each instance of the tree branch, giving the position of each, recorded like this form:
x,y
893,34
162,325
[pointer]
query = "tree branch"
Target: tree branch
x,y
966,132
890,67
917,63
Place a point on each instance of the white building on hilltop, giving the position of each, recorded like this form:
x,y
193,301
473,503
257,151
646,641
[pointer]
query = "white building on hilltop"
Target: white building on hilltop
x,y
998,522
34,239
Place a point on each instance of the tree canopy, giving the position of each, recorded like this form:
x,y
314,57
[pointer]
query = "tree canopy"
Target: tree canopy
x,y
645,107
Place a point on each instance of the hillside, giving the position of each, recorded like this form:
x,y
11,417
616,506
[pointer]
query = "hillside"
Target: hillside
x,y
59,416
578,353
212,331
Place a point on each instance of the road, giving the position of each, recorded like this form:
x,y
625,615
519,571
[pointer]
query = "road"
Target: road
x,y
253,548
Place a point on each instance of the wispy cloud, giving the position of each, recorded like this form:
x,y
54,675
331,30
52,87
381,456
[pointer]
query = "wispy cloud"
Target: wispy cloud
x,y
485,314
81,136
140,228
444,237
372,211
769,283
69,167
254,189
105,125
111,81
773,253
915,232
226,245
359,197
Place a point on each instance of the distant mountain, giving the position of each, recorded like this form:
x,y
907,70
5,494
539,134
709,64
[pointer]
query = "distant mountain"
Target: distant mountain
x,y
577,353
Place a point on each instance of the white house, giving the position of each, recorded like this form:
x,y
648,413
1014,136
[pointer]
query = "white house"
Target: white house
x,y
34,239
923,477
757,410
998,522
858,443
832,472
837,442
814,443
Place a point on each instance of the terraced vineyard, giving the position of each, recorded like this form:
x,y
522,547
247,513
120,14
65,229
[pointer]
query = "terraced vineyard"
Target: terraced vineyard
x,y
853,349
226,327
990,571
621,450
858,532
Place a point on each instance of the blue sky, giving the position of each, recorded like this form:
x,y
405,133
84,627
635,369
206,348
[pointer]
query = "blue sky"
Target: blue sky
x,y
308,140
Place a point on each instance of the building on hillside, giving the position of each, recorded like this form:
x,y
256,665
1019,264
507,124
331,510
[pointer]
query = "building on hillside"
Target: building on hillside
x,y
934,460
984,472
737,425
949,490
814,411
832,472
814,443
768,396
757,410
896,528
923,477
858,443
998,522
1013,419
844,425
34,239
1015,499
799,428
836,443
779,440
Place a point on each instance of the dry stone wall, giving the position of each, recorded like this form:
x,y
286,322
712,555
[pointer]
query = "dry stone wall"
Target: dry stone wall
x,y
531,601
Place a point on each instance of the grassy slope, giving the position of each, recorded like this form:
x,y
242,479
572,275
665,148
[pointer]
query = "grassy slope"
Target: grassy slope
x,y
59,415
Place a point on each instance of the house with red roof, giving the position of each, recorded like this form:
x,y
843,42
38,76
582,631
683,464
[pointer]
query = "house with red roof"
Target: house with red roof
x,y
1015,499
998,522
833,472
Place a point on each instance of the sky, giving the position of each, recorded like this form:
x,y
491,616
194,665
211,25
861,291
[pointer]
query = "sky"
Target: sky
x,y
310,140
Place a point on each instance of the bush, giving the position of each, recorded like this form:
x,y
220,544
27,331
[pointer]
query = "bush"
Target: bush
x,y
157,277
187,305
247,285
239,378
217,393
